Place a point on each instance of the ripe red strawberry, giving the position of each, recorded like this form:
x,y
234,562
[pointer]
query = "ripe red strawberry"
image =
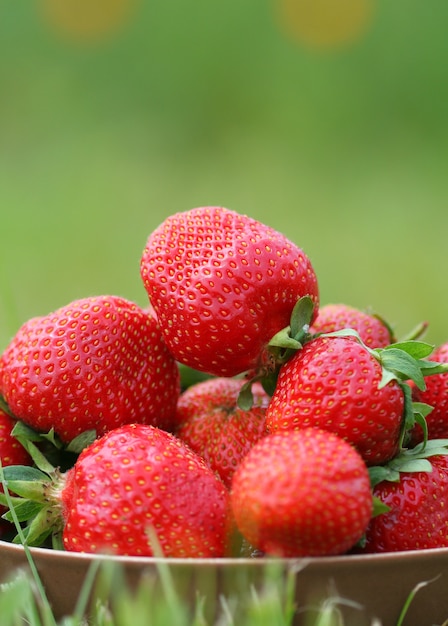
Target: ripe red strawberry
x,y
222,285
96,363
418,516
11,451
302,493
212,424
134,482
436,395
334,383
374,331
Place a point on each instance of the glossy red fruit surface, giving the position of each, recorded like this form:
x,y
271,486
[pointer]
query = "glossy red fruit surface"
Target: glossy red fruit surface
x,y
213,425
436,395
334,383
418,515
222,284
137,480
11,453
373,331
94,364
302,493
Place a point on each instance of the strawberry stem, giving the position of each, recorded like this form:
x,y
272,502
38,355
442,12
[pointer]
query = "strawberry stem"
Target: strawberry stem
x,y
416,332
291,338
280,349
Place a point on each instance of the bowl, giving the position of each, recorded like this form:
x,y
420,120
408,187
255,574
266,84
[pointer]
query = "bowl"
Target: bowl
x,y
379,584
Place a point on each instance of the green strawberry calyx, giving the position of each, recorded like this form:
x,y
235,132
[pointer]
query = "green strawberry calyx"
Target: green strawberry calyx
x,y
405,362
416,459
35,501
402,361
292,338
32,493
280,348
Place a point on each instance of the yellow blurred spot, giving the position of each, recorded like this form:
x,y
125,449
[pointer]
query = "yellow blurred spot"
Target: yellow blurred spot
x,y
325,24
86,20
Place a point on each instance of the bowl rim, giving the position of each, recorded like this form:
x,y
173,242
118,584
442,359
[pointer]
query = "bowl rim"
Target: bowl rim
x,y
341,560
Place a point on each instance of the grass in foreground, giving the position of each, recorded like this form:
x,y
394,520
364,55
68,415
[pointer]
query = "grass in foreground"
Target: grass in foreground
x,y
107,600
22,601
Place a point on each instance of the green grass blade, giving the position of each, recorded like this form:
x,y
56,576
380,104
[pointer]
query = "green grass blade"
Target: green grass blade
x,y
411,597
47,615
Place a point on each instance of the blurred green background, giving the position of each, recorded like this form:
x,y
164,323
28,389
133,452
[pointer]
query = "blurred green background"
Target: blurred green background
x,y
332,128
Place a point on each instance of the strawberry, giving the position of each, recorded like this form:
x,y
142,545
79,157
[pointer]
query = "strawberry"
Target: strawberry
x,y
417,515
212,424
302,493
436,395
96,363
11,451
334,383
222,285
135,484
372,329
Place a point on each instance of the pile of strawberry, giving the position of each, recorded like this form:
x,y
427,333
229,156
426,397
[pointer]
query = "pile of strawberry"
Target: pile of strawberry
x,y
308,430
